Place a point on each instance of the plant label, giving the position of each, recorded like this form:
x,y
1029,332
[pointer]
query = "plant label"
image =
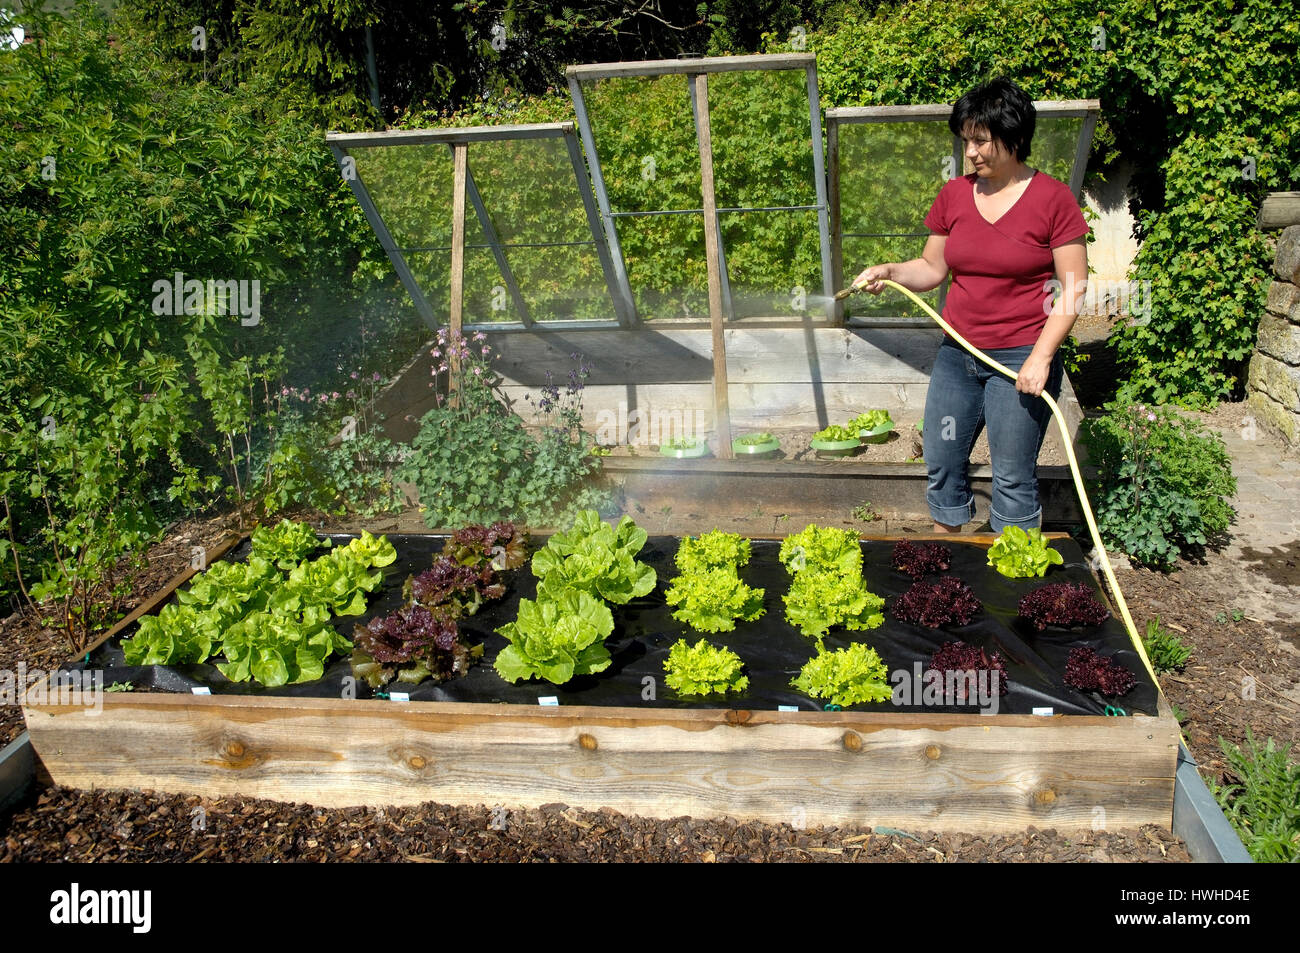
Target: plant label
x,y
200,690
548,701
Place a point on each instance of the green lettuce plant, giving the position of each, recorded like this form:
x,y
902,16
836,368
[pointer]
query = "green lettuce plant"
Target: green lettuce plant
x,y
597,558
712,599
870,420
556,638
818,601
703,669
845,677
278,649
709,590
285,544
828,588
177,635
1021,555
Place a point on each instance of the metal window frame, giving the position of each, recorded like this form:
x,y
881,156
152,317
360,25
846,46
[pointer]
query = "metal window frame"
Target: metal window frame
x,y
1087,109
341,145
689,68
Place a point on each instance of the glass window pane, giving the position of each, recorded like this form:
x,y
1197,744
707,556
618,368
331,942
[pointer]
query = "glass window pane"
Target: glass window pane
x,y
759,124
644,133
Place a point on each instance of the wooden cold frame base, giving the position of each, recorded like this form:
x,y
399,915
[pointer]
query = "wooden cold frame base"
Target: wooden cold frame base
x,y
968,773
937,772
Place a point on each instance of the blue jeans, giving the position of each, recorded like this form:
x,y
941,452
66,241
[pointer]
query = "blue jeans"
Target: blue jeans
x,y
964,395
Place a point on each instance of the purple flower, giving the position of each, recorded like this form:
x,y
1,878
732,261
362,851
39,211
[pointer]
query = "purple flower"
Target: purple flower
x,y
480,336
485,350
355,375
334,395
436,352
375,377
352,395
442,367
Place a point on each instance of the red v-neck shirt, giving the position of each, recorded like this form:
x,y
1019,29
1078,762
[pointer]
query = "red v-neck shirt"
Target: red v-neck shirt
x,y
1000,272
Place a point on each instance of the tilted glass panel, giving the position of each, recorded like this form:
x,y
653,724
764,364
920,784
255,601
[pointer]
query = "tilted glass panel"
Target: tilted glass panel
x,y
774,263
1055,144
644,133
890,174
666,266
532,199
411,188
759,124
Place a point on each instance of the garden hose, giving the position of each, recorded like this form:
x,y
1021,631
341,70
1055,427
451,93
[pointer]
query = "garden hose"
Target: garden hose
x,y
1069,452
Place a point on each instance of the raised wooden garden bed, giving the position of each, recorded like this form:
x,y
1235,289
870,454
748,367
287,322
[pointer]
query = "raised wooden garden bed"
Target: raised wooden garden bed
x,y
909,770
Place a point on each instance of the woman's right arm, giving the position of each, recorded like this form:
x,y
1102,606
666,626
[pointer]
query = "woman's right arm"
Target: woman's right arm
x,y
919,274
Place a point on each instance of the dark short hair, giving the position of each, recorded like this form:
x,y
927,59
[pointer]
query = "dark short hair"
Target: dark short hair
x,y
1001,107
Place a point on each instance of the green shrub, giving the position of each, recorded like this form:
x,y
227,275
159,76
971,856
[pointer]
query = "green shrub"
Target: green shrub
x,y
1162,481
1262,799
473,461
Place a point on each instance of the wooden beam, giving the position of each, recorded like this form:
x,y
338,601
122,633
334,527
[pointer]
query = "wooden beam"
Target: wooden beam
x,y
1057,108
457,303
712,254
415,137
1280,210
698,65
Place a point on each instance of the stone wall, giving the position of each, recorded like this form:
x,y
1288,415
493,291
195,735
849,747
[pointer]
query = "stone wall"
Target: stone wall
x,y
1273,384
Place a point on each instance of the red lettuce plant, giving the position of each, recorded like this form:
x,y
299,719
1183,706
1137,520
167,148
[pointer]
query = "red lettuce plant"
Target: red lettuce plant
x,y
1090,672
964,657
1064,604
938,603
500,546
462,589
413,643
918,559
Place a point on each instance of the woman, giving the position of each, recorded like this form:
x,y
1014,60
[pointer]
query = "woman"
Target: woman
x,y
1005,232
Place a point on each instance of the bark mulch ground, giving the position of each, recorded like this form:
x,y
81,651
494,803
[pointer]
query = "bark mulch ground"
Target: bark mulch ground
x,y
65,825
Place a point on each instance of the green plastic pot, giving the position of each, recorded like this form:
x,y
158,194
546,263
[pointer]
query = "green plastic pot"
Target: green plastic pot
x,y
701,449
835,448
879,435
752,449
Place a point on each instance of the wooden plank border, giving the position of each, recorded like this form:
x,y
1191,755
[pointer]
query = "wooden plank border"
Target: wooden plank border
x,y
932,772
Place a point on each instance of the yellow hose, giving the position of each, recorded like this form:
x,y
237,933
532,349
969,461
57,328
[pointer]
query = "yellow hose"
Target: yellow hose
x,y
1074,469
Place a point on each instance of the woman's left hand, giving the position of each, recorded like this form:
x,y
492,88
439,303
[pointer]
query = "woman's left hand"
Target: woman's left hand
x,y
1033,375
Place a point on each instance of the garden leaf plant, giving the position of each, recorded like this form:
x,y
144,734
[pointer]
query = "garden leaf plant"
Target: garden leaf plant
x,y
828,589
709,590
562,634
949,600
422,639
703,669
270,626
1018,554
597,558
845,677
556,638
1062,603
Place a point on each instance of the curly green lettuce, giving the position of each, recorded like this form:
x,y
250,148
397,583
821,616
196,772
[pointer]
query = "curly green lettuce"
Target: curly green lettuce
x,y
703,669
845,677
